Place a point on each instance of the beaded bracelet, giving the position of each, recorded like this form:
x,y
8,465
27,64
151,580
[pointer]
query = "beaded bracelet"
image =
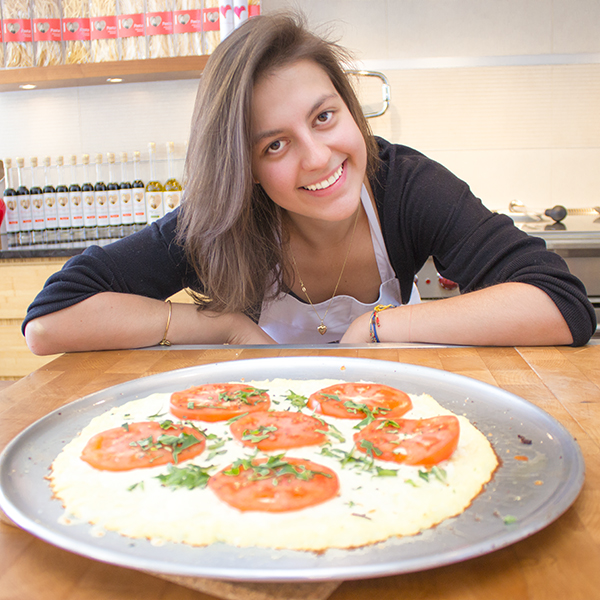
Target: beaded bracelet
x,y
374,323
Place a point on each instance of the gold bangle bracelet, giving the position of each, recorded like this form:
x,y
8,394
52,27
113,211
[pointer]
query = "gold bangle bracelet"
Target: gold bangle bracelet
x,y
165,341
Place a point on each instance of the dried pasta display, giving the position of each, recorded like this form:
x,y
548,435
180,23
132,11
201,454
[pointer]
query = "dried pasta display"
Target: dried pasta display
x,y
210,26
104,42
187,27
131,29
18,37
159,28
47,32
76,31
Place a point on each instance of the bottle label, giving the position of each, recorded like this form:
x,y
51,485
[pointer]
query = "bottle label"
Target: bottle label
x,y
37,212
187,21
103,28
64,210
89,209
154,205
12,213
25,216
46,30
131,25
159,23
172,200
101,208
51,210
76,30
17,30
139,206
210,19
76,202
126,206
114,207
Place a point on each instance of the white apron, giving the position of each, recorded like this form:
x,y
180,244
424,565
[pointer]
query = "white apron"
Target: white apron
x,y
289,321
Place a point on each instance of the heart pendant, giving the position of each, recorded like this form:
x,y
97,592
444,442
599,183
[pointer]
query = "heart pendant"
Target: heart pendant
x,y
322,329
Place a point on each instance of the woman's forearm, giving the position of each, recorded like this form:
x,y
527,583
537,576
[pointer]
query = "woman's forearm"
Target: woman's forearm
x,y
110,321
508,314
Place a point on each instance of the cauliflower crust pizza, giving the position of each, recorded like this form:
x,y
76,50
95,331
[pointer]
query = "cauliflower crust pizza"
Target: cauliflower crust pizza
x,y
287,464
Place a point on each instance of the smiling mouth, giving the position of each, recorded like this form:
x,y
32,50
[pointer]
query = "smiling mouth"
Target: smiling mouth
x,y
323,185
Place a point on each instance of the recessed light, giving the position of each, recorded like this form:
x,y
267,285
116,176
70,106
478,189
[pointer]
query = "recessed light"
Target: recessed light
x,y
28,86
114,80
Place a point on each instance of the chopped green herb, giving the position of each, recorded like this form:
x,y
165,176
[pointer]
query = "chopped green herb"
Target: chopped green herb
x,y
191,476
139,484
233,419
125,426
509,519
262,432
297,401
386,472
166,424
410,482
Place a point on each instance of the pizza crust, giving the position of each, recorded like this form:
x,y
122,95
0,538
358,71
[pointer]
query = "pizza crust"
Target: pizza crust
x,y
368,510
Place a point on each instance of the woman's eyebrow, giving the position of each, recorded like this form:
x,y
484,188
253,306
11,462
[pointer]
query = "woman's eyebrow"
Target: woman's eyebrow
x,y
275,132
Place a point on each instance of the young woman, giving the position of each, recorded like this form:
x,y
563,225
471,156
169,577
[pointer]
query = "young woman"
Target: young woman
x,y
298,226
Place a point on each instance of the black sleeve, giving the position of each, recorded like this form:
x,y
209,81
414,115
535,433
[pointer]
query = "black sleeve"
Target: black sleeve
x,y
427,211
148,263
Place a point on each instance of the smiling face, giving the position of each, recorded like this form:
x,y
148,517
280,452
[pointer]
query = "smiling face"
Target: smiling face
x,y
308,153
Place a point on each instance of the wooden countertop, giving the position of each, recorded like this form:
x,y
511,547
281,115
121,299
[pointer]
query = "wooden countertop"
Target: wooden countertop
x,y
562,561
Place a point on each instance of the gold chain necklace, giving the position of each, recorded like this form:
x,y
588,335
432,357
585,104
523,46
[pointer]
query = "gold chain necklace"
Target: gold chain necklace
x,y
322,328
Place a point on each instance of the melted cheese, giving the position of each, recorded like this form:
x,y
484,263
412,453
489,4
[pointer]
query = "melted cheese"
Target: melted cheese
x,y
368,509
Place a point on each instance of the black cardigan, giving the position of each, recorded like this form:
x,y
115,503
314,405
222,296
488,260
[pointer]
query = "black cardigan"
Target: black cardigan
x,y
424,211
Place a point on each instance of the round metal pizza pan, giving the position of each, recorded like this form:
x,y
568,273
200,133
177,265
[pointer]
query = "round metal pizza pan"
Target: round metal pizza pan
x,y
522,498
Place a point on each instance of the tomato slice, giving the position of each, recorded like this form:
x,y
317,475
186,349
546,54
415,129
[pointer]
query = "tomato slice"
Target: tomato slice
x,y
424,442
279,430
274,484
218,401
142,445
344,401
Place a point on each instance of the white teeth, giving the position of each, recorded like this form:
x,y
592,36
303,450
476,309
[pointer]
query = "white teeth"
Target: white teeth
x,y
328,182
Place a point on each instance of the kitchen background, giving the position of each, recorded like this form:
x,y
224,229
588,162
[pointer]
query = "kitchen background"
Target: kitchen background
x,y
505,93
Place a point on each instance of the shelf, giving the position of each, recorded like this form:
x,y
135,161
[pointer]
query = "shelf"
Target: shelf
x,y
130,71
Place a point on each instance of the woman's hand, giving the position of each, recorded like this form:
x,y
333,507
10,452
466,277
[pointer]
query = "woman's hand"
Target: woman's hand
x,y
111,321
507,314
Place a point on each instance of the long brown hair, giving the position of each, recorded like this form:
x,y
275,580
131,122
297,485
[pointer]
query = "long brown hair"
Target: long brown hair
x,y
229,227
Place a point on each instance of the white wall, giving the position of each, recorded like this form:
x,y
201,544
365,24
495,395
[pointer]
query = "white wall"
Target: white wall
x,y
506,93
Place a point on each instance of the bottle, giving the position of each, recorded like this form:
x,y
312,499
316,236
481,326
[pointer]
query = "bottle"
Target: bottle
x,y
126,196
154,190
24,207
114,199
37,206
62,202
101,201
173,189
11,201
140,215
88,196
50,205
76,204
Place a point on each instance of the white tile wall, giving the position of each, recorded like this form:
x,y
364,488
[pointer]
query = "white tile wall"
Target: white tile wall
x,y
517,116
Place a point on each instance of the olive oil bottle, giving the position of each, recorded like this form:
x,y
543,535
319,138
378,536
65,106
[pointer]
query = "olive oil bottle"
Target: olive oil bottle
x,y
126,197
24,207
76,204
11,200
100,193
114,199
140,214
88,195
50,206
62,202
37,206
154,189
173,189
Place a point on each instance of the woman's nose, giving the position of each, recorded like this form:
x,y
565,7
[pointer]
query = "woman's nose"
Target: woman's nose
x,y
315,153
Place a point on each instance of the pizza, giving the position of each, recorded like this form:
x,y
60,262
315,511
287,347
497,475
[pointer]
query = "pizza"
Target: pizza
x,y
286,464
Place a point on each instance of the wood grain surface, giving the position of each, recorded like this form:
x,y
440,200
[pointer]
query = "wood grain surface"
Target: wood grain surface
x,y
560,562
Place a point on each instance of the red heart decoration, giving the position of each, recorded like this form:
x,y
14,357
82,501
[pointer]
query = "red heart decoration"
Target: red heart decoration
x,y
239,10
224,9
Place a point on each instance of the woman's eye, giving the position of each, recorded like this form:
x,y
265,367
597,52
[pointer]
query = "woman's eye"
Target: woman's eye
x,y
324,116
274,146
